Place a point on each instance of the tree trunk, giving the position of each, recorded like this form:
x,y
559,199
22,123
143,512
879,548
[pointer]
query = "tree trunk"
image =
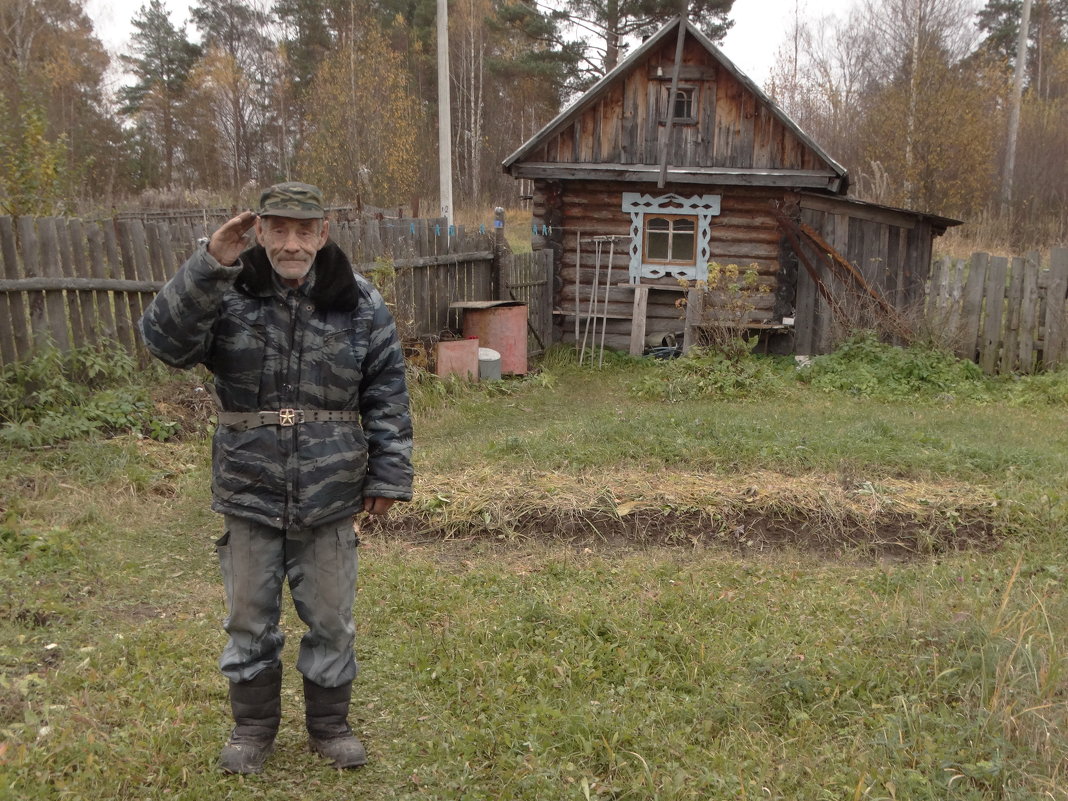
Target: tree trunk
x,y
1014,109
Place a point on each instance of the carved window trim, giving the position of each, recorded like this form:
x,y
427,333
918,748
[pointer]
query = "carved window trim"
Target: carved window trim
x,y
640,206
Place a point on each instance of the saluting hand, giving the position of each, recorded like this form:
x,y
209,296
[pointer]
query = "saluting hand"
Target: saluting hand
x,y
231,239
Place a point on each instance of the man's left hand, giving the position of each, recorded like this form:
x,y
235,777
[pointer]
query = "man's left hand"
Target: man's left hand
x,y
377,506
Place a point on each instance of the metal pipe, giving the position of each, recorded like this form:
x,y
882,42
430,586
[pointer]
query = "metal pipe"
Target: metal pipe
x,y
607,288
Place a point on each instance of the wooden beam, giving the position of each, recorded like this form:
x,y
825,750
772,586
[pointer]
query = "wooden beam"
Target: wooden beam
x,y
78,285
687,72
639,173
859,211
665,131
637,322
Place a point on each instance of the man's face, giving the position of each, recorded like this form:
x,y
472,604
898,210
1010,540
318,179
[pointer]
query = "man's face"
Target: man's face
x,y
291,245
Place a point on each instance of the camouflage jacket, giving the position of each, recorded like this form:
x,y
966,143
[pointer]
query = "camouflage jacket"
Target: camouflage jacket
x,y
331,344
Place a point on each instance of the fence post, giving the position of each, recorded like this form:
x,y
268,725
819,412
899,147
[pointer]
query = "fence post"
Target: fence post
x,y
502,258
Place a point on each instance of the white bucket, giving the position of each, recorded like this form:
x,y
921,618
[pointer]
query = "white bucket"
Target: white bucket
x,y
489,364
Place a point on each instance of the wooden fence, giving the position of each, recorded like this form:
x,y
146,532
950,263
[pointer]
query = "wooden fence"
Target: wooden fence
x,y
1006,314
71,283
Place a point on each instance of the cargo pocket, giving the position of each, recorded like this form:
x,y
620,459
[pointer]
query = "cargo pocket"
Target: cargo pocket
x,y
226,567
347,560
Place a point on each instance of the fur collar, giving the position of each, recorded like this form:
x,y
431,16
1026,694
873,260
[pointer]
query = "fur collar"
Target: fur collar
x,y
335,284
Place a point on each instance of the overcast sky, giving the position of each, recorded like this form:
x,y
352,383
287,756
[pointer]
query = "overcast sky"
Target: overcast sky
x,y
759,26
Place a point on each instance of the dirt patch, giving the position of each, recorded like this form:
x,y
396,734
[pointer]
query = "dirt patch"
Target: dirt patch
x,y
29,618
185,402
827,515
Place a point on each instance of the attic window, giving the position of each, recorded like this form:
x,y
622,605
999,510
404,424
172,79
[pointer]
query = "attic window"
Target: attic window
x,y
685,105
670,239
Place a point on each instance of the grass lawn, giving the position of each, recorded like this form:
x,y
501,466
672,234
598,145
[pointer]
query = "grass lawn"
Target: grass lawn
x,y
596,594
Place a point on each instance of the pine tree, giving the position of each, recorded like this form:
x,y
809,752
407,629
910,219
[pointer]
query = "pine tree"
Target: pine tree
x,y
614,20
161,65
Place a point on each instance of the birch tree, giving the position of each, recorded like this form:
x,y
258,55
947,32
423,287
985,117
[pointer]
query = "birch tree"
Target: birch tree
x,y
363,126
236,77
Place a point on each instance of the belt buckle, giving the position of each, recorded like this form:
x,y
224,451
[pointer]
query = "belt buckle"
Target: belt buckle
x,y
290,417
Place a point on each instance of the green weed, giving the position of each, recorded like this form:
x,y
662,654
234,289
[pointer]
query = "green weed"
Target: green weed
x,y
710,373
59,396
864,366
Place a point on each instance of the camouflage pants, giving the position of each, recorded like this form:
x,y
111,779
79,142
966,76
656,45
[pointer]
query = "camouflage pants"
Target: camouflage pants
x,y
320,564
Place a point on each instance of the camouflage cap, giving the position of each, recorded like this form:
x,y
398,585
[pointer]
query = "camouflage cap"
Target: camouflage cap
x,y
292,199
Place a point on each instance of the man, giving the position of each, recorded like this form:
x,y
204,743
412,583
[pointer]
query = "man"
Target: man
x,y
313,428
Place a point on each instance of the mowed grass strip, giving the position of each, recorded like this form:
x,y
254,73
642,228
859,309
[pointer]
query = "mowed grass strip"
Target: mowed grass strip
x,y
500,664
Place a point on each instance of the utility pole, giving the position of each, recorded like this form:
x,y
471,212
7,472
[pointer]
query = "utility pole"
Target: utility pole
x,y
1014,109
444,114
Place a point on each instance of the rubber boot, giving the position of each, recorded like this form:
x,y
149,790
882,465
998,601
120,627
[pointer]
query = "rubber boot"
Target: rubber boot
x,y
326,711
257,708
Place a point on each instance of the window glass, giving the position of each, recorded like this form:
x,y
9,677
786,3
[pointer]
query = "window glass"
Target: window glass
x,y
657,245
682,247
684,103
671,239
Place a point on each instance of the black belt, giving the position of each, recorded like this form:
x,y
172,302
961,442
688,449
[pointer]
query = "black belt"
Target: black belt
x,y
243,421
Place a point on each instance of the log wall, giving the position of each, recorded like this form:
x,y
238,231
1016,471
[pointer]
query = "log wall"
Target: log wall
x,y
745,234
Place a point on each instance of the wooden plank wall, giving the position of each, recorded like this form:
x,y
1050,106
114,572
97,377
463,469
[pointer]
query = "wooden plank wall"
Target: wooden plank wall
x,y
97,277
893,258
1006,314
731,127
745,234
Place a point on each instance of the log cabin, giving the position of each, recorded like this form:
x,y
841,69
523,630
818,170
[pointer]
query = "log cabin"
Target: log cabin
x,y
675,172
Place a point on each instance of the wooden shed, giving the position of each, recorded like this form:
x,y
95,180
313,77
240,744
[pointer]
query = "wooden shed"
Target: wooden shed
x,y
674,171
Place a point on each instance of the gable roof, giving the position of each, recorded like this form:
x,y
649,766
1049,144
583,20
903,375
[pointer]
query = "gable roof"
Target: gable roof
x,y
840,177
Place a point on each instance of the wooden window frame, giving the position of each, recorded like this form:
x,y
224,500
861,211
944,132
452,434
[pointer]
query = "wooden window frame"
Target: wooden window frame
x,y
671,218
693,95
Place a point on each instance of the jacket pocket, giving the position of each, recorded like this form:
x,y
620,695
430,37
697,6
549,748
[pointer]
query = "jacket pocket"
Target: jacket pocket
x,y
248,469
238,355
337,369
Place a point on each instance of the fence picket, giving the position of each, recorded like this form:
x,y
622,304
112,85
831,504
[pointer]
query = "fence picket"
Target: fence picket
x,y
65,265
105,319
15,341
1054,347
972,307
86,299
1028,314
990,345
1010,354
120,301
55,304
124,235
